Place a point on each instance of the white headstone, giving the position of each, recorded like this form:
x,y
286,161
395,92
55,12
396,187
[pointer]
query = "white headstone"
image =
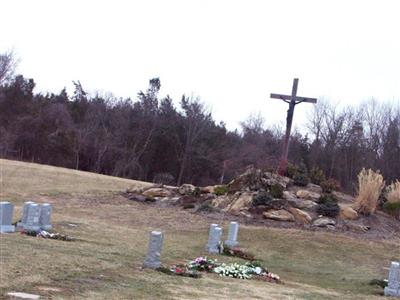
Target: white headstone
x,y
210,231
154,251
6,216
214,239
45,216
232,234
393,288
21,224
32,220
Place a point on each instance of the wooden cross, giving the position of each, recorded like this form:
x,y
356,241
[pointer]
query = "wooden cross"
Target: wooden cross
x,y
292,100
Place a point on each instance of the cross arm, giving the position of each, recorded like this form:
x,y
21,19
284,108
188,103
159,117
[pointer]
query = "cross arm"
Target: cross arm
x,y
285,98
288,98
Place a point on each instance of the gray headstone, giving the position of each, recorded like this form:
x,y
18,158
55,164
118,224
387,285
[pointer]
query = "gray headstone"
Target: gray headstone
x,y
6,216
32,220
232,234
210,231
21,224
393,288
154,251
214,239
45,216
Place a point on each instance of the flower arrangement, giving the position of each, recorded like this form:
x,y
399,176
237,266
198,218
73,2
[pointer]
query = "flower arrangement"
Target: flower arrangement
x,y
47,235
247,271
202,264
234,270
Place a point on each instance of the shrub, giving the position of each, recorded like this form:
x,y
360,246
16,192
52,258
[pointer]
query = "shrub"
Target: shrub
x,y
276,191
206,207
370,185
330,185
301,179
393,192
196,192
298,174
220,190
392,208
262,198
328,209
317,176
327,198
291,170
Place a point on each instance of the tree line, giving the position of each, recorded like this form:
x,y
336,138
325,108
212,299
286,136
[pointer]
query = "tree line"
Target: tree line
x,y
149,138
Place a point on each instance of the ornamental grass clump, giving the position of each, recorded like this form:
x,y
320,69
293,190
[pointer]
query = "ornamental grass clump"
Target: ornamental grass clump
x,y
393,192
370,185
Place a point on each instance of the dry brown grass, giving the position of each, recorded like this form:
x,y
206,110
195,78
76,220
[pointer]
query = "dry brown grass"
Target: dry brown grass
x,y
370,185
393,192
21,179
112,233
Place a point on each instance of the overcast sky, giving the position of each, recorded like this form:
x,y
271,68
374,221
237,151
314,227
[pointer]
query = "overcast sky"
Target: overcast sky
x,y
232,54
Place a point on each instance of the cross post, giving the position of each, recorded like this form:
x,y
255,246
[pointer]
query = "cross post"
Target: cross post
x,y
292,100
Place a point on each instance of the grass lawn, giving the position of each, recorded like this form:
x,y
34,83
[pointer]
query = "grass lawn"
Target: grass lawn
x,y
112,234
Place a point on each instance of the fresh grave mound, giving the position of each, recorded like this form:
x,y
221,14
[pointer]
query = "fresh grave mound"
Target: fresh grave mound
x,y
271,199
248,270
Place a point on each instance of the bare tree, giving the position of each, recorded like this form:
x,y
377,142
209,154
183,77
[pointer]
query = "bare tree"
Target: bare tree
x,y
196,119
8,64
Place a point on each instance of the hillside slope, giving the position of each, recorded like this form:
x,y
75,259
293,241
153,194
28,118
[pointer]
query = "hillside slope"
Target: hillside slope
x,y
21,178
111,240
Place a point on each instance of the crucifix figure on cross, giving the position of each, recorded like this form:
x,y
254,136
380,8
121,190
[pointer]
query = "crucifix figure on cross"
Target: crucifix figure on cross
x,y
292,100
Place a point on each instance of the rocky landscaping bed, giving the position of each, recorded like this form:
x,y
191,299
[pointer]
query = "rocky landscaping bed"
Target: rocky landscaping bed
x,y
270,199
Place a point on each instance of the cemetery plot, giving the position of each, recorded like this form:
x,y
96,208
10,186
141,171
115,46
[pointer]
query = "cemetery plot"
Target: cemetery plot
x,y
112,236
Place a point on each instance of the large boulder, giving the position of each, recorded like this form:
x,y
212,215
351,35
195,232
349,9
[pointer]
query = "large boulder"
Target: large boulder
x,y
222,201
324,222
300,216
308,195
291,198
208,189
315,188
250,180
347,212
241,202
187,189
279,215
271,179
304,204
157,192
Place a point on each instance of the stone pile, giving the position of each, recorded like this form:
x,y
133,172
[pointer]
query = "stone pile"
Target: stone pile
x,y
294,204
